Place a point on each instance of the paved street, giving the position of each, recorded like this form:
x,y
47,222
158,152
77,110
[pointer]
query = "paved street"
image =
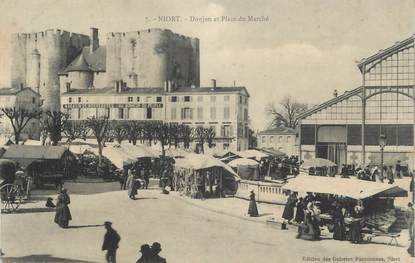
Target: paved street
x,y
186,232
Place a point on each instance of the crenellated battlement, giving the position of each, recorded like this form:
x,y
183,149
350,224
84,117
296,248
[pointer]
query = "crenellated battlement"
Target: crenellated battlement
x,y
146,32
50,33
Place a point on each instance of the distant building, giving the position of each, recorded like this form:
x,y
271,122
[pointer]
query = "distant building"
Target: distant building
x,y
19,98
280,138
346,129
225,109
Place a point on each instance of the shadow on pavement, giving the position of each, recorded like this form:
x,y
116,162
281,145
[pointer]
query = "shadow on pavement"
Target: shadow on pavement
x,y
34,210
144,198
41,258
84,226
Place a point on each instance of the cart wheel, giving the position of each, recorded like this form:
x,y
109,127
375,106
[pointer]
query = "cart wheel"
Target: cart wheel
x,y
11,198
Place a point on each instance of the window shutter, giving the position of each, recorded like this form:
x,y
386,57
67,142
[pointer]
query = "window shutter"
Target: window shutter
x,y
222,131
231,130
191,114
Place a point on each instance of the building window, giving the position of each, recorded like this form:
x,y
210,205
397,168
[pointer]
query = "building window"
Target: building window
x,y
121,113
225,146
33,100
79,114
288,138
127,113
212,113
107,113
174,99
199,98
138,99
212,98
200,113
263,139
187,114
70,100
241,99
130,99
227,131
158,99
271,139
280,139
246,115
149,113
226,98
186,98
173,113
213,127
79,99
226,113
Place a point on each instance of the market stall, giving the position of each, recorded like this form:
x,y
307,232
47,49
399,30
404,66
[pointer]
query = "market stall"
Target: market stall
x,y
377,199
246,168
201,176
319,166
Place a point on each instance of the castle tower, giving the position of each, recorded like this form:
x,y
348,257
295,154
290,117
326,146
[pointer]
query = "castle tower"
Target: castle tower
x,y
155,55
38,57
34,72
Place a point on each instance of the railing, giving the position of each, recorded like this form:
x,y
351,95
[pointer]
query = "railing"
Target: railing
x,y
266,192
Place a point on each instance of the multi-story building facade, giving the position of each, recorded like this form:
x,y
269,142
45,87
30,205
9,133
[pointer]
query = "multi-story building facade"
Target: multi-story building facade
x,y
282,139
224,109
19,98
346,129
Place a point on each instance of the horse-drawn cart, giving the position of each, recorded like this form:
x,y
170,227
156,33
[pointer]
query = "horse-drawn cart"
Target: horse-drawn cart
x,y
11,191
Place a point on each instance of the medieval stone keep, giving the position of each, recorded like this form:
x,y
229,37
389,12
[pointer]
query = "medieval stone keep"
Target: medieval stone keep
x,y
52,60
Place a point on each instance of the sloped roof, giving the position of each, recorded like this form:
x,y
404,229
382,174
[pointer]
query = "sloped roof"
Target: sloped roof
x,y
14,91
79,64
278,131
155,90
87,61
385,52
331,102
34,152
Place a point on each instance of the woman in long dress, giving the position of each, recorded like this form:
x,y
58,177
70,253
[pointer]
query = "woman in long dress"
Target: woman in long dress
x,y
355,227
288,213
252,210
131,185
63,214
339,230
299,213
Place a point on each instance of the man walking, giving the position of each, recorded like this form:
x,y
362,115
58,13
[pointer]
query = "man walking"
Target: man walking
x,y
111,240
156,249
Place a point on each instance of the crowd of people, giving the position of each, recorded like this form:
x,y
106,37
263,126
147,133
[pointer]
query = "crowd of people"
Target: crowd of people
x,y
375,174
279,167
310,208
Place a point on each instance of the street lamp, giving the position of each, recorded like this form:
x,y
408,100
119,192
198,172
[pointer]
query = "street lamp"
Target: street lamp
x,y
382,144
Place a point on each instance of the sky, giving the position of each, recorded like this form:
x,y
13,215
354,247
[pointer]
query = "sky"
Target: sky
x,y
305,48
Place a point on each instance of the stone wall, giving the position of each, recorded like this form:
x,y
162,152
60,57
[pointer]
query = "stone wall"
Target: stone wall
x,y
155,55
56,50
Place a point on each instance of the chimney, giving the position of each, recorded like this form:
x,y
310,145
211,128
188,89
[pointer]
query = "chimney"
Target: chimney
x,y
213,84
335,93
93,38
68,86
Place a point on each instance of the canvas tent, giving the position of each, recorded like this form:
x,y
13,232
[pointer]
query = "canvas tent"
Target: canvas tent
x,y
26,154
253,154
118,157
356,189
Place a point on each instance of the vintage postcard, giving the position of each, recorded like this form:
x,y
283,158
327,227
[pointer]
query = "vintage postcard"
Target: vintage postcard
x,y
207,131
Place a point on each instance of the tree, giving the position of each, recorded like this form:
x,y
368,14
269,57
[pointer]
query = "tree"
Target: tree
x,y
185,132
286,112
53,123
134,131
210,136
100,129
75,129
162,134
19,117
118,131
252,139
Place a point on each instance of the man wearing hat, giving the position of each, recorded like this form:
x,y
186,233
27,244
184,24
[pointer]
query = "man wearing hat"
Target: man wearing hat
x,y
111,240
156,248
146,254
